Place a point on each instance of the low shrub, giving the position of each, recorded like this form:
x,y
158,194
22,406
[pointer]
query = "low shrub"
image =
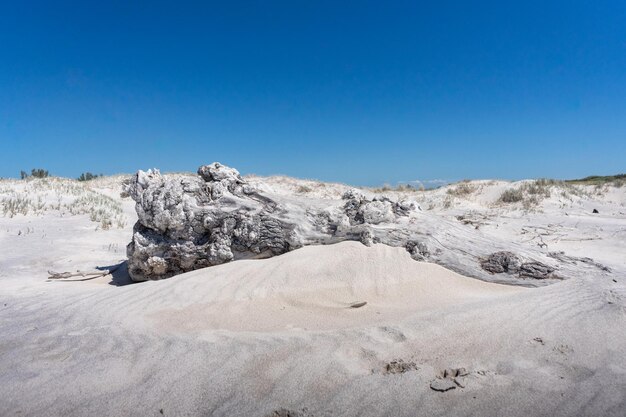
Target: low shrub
x,y
39,173
512,195
88,176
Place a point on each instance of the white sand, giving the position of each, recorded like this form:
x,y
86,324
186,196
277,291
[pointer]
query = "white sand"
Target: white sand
x,y
250,337
312,289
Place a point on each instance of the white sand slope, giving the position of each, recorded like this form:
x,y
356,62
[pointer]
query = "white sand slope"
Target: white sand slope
x,y
313,288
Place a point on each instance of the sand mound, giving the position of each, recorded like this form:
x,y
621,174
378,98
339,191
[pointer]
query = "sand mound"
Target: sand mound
x,y
317,287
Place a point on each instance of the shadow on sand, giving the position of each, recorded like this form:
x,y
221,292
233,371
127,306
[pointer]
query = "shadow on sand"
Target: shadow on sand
x,y
119,276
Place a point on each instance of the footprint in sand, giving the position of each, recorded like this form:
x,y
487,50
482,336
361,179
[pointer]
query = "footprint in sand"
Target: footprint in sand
x,y
613,298
399,366
451,379
563,349
392,334
539,341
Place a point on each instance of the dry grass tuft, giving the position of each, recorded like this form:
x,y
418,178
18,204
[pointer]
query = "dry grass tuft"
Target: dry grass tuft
x,y
464,188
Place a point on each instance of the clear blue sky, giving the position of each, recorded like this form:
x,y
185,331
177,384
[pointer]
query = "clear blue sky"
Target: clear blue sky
x,y
360,92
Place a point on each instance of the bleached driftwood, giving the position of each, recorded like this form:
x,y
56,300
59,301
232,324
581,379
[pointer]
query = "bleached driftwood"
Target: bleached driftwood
x,y
191,222
187,223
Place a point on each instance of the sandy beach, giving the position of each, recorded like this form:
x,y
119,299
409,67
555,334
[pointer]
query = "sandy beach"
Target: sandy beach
x,y
325,330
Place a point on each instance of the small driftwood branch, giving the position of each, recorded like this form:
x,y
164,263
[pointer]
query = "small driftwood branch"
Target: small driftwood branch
x,y
357,304
86,275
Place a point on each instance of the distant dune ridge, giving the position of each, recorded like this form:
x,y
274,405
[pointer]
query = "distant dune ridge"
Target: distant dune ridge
x,y
353,328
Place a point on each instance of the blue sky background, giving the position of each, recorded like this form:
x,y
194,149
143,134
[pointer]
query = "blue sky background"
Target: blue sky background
x,y
359,92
